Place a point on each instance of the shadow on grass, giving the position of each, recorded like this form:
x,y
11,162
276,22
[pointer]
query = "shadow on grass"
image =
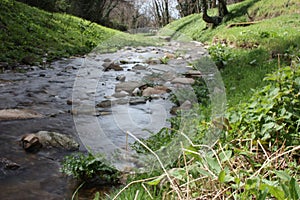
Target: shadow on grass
x,y
178,30
240,10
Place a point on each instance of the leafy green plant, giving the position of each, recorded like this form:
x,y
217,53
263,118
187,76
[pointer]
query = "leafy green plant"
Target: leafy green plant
x,y
220,55
272,114
89,167
164,60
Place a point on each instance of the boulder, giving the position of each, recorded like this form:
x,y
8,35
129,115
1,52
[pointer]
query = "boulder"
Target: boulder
x,y
33,142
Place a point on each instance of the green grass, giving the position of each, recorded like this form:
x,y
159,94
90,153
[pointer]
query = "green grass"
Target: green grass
x,y
28,32
256,157
252,48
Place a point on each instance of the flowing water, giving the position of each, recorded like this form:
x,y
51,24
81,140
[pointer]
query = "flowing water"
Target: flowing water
x,y
83,83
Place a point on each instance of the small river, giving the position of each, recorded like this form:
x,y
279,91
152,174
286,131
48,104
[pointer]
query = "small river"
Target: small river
x,y
83,97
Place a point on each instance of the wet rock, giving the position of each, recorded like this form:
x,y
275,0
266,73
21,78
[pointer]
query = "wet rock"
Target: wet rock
x,y
136,92
8,164
33,142
112,66
121,78
54,139
30,142
139,67
185,81
153,61
13,114
69,102
149,91
128,86
137,100
169,56
120,94
104,104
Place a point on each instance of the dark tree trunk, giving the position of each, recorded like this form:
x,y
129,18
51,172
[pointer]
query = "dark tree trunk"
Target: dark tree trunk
x,y
208,19
222,8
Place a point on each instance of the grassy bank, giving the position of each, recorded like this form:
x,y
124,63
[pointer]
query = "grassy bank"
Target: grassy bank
x,y
257,154
28,34
246,49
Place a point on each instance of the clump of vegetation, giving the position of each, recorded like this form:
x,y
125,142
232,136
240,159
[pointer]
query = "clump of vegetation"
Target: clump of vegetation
x,y
256,157
89,168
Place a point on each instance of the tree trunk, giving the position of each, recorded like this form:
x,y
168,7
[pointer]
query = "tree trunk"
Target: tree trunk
x,y
222,8
211,20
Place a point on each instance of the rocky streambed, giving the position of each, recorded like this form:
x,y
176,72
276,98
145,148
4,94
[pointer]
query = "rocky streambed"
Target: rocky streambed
x,y
92,101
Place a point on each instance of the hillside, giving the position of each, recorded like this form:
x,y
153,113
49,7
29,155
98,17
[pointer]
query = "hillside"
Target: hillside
x,y
247,53
28,34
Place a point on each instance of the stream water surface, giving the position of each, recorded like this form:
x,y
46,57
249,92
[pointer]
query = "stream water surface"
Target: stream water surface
x,y
69,94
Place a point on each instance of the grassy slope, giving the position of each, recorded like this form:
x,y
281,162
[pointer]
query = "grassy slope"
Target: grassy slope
x,y
278,31
28,32
250,49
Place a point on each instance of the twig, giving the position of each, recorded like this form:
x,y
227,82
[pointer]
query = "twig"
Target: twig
x,y
136,195
133,182
146,189
221,192
274,158
261,146
187,173
77,189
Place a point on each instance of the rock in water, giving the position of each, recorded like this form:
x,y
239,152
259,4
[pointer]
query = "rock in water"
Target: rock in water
x,y
33,142
112,66
55,139
30,142
13,114
8,164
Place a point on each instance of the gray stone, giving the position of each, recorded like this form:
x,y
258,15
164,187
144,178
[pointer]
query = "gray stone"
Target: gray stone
x,y
13,114
120,94
34,141
137,100
121,78
54,139
112,66
185,81
127,86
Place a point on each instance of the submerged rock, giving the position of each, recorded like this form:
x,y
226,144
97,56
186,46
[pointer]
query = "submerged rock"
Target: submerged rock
x,y
8,164
13,114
